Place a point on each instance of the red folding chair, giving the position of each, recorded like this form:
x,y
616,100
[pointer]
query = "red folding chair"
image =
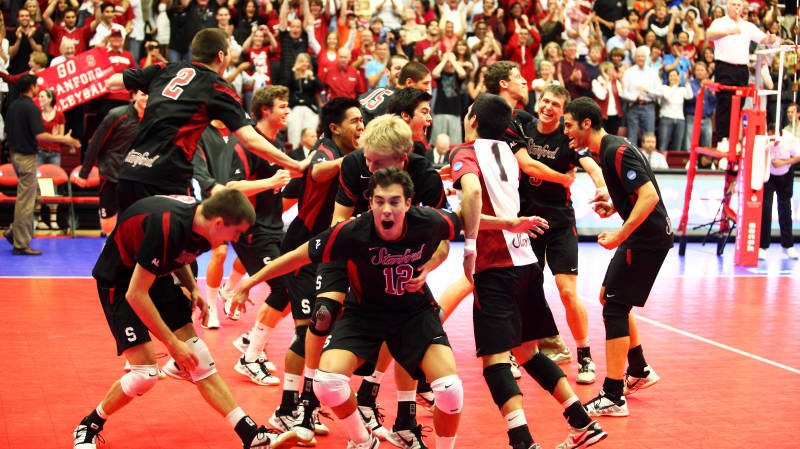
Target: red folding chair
x,y
8,178
93,182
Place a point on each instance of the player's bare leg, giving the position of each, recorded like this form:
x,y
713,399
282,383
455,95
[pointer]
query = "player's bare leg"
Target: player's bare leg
x,y
439,366
578,322
453,296
214,273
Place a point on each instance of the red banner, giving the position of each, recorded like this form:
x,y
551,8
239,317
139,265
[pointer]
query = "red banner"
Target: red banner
x,y
78,80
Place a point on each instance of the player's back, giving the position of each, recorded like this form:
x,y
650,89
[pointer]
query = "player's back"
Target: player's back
x,y
374,102
183,98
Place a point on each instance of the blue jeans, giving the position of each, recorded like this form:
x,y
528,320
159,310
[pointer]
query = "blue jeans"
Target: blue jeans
x,y
48,157
175,56
670,133
705,132
640,116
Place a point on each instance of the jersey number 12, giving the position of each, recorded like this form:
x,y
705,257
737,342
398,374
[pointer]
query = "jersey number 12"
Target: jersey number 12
x,y
182,78
396,278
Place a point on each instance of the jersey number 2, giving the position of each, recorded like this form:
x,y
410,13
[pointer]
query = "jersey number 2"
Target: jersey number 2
x,y
182,78
396,278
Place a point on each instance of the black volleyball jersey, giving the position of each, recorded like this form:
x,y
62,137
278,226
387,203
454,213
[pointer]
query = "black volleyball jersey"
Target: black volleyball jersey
x,y
315,205
378,270
374,102
354,182
268,204
184,98
154,232
549,200
625,170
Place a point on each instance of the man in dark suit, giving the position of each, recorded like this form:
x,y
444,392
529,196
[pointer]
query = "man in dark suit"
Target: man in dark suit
x,y
308,137
441,148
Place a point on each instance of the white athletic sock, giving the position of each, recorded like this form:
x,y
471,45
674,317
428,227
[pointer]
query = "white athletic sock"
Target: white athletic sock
x,y
407,396
355,427
233,280
100,412
584,343
572,399
235,416
292,382
258,338
515,419
445,442
375,378
211,296
308,372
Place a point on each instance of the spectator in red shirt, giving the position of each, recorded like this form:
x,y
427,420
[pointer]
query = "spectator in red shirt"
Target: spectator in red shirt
x,y
121,59
343,80
430,49
79,35
154,55
571,73
522,48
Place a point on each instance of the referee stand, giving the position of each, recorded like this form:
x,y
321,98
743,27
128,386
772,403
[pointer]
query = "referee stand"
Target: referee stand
x,y
747,169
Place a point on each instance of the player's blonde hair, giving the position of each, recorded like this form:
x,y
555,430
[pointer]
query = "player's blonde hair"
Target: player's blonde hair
x,y
387,134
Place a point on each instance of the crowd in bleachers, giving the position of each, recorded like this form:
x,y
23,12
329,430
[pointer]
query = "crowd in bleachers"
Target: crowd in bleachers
x,y
607,49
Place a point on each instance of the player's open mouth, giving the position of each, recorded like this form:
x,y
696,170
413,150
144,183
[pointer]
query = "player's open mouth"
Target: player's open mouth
x,y
387,224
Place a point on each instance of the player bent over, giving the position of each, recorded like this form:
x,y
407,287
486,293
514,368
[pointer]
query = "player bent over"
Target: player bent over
x,y
384,248
156,237
510,310
643,242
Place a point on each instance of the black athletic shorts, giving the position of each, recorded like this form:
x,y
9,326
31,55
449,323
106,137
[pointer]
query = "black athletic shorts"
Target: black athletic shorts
x,y
256,250
302,290
108,199
407,336
332,277
631,275
126,327
510,309
129,192
558,247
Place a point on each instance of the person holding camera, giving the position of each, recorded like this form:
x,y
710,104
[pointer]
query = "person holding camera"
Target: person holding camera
x,y
154,55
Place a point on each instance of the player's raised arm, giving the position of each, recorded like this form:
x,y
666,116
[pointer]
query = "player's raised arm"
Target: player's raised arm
x,y
254,142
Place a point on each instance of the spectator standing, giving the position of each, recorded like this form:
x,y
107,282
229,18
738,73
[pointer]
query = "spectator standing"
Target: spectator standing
x,y
120,60
621,40
343,80
641,85
428,50
79,36
607,12
522,49
493,17
732,35
53,121
388,11
709,104
304,99
653,156
292,39
105,24
26,39
571,73
153,51
375,70
447,105
671,124
676,61
25,133
606,89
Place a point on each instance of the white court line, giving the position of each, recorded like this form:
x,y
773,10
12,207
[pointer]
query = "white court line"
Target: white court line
x,y
719,345
703,339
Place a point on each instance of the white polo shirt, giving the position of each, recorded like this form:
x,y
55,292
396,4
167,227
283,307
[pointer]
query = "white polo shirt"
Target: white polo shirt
x,y
735,48
787,147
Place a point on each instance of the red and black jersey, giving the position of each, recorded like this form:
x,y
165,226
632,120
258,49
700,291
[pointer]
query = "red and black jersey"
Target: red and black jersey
x,y
378,270
625,170
421,147
374,102
549,200
316,201
354,179
184,98
268,203
154,232
110,142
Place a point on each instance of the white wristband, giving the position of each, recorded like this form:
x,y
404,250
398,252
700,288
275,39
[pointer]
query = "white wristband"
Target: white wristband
x,y
470,245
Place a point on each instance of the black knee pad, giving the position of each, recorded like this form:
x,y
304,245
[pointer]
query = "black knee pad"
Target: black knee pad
x,y
501,382
544,371
326,312
615,317
298,345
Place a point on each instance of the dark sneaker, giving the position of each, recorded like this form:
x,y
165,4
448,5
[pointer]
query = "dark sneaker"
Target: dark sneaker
x,y
270,439
407,439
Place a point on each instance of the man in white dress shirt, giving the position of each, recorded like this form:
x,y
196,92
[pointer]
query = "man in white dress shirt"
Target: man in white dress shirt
x,y
641,85
731,35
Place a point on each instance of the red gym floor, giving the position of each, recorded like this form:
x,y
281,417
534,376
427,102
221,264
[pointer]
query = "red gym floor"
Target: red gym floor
x,y
723,339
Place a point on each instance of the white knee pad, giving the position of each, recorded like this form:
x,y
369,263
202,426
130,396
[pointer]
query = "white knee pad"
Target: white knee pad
x,y
205,366
139,380
332,389
449,394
